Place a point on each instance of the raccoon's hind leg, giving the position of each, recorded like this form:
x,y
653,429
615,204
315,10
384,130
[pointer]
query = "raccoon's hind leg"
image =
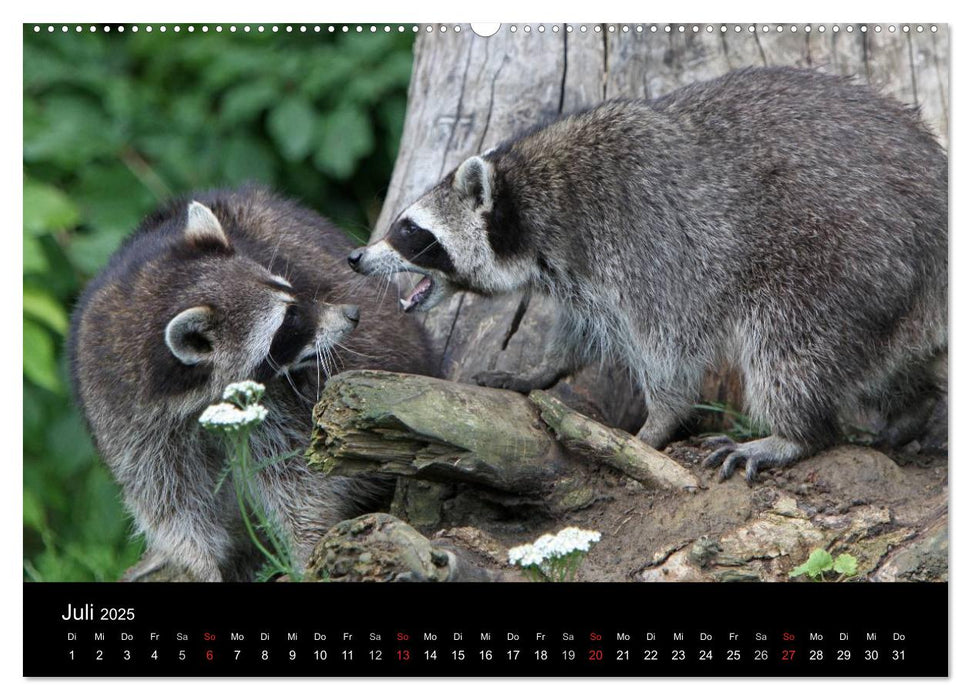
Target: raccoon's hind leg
x,y
910,401
788,389
662,422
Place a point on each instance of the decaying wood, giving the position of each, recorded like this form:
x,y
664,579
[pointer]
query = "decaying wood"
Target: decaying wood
x,y
381,548
388,423
371,421
610,446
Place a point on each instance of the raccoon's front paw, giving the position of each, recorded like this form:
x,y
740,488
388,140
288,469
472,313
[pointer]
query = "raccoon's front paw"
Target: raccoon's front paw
x,y
772,451
503,380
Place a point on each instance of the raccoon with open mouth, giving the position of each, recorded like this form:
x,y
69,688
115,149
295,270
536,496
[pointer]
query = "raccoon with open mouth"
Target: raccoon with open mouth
x,y
790,223
227,286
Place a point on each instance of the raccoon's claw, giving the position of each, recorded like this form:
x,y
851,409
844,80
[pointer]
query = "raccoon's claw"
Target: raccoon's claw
x,y
729,456
711,443
772,451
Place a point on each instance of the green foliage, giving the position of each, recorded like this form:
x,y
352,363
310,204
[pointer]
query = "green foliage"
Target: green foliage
x,y
743,427
116,123
820,562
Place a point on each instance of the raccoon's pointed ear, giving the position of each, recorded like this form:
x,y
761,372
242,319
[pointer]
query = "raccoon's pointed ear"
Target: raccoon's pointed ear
x,y
203,229
189,335
474,179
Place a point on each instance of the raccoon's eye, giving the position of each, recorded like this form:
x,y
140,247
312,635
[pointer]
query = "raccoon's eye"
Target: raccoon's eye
x,y
409,227
291,333
290,317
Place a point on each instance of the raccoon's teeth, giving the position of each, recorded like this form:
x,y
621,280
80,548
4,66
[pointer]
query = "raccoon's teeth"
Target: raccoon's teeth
x,y
418,294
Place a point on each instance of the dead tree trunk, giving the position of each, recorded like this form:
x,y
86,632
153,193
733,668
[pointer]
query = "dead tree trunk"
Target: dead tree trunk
x,y
470,93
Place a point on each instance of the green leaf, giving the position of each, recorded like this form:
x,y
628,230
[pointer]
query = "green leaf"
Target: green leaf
x,y
819,561
34,259
34,515
47,209
245,159
89,253
113,197
291,124
68,446
43,307
845,564
69,131
346,137
392,115
40,362
242,103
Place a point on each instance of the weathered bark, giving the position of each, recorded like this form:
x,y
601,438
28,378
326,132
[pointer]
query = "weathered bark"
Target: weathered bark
x,y
470,93
610,446
381,548
382,422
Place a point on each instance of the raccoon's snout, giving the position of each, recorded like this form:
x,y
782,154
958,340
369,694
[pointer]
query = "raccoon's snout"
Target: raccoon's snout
x,y
354,259
376,259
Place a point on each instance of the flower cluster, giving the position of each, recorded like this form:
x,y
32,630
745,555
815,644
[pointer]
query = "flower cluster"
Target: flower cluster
x,y
554,557
226,416
240,408
245,393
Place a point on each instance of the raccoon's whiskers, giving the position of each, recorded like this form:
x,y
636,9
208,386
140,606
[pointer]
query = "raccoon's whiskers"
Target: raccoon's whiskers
x,y
358,284
336,362
276,249
318,366
424,250
355,352
385,286
286,374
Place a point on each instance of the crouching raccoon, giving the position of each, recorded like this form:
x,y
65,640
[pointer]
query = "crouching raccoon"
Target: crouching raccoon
x,y
208,291
790,223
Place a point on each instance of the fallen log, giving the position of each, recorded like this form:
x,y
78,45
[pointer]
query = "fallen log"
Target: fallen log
x,y
424,428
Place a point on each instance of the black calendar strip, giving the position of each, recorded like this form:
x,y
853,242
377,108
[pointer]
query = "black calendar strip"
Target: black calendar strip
x,y
342,630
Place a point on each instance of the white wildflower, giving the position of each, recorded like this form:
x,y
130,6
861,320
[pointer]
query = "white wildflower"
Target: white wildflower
x,y
554,557
244,393
522,555
573,539
228,417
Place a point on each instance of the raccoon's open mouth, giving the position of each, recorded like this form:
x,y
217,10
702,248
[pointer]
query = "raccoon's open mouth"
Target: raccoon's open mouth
x,y
422,297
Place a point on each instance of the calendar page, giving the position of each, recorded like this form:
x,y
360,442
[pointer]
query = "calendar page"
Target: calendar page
x,y
605,349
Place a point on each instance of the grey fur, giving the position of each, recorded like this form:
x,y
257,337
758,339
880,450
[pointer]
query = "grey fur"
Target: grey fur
x,y
201,296
786,221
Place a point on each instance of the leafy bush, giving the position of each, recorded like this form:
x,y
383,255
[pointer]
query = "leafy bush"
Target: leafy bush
x,y
116,123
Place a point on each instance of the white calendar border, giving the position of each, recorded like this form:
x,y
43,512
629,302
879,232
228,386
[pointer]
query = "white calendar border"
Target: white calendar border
x,y
437,10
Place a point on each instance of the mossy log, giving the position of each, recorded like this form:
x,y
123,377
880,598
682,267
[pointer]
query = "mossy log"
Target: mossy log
x,y
425,428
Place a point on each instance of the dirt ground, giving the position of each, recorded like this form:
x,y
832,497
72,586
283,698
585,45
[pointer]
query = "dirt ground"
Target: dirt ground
x,y
889,510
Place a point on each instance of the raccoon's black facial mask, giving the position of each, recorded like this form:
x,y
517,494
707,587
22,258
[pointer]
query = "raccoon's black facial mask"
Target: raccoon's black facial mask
x,y
293,335
408,247
419,246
